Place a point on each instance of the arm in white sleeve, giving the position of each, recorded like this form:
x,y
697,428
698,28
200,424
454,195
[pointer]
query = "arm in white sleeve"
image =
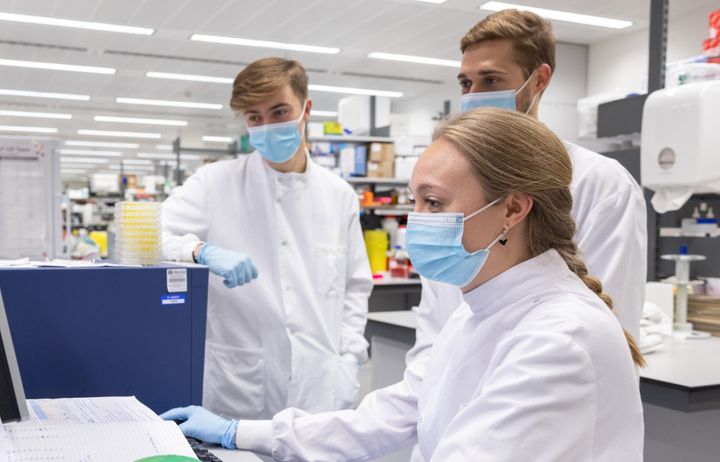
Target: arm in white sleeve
x,y
185,219
358,286
613,242
385,421
539,403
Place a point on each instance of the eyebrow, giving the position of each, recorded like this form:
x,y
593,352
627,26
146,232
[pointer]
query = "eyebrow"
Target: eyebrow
x,y
484,72
424,187
277,106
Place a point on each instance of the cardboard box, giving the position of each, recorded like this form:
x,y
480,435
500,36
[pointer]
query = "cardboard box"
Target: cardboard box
x,y
380,169
382,152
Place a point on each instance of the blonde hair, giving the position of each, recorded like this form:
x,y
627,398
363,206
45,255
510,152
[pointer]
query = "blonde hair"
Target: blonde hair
x,y
263,78
532,37
527,158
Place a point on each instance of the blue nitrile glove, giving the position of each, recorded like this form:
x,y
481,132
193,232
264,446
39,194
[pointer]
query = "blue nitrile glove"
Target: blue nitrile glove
x,y
235,268
204,425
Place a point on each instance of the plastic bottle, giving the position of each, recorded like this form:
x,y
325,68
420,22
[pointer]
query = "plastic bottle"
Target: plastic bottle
x,y
399,268
390,225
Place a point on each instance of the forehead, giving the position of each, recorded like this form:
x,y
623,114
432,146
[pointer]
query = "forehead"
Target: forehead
x,y
490,55
441,168
284,95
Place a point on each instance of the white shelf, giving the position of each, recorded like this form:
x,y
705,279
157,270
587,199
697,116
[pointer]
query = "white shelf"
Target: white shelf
x,y
377,181
350,139
390,209
390,281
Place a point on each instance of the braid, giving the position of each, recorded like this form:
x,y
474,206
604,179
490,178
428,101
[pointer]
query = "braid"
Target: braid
x,y
568,250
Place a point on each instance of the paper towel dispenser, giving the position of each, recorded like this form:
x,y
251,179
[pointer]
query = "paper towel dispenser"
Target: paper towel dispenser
x,y
680,143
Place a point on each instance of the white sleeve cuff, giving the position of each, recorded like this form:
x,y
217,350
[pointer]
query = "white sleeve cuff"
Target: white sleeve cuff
x,y
187,249
255,436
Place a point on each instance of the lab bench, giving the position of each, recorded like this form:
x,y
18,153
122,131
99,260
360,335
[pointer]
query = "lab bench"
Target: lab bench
x,y
680,387
399,293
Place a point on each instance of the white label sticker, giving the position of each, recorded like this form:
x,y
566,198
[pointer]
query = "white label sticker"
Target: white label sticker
x,y
177,280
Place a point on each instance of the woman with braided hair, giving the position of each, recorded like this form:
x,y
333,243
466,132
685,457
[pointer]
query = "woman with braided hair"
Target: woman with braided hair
x,y
534,366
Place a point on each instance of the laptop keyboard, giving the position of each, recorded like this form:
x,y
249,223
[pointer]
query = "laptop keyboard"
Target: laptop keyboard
x,y
201,451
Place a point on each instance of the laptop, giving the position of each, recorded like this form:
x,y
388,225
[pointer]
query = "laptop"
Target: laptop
x,y
13,407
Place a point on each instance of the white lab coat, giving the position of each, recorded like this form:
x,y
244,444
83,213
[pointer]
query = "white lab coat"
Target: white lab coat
x,y
532,367
295,335
610,211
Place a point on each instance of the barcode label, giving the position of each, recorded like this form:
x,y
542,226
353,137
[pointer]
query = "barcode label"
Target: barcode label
x,y
177,280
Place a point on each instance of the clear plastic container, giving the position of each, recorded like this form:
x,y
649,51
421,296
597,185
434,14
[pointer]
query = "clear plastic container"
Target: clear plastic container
x,y
138,229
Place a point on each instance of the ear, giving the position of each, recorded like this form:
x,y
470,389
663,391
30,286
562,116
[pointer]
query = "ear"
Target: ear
x,y
308,107
517,207
542,77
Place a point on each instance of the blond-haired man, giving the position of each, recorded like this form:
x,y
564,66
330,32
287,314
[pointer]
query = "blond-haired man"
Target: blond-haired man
x,y
287,310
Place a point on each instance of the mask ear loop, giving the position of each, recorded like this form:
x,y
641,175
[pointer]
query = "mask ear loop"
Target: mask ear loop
x,y
532,103
502,239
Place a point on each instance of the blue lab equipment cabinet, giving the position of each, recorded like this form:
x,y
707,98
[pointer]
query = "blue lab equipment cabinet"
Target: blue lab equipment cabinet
x,y
110,331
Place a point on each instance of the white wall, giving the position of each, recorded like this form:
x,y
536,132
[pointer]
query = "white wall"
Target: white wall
x,y
557,107
622,62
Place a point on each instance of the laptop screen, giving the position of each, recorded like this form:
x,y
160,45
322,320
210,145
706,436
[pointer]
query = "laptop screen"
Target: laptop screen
x,y
12,396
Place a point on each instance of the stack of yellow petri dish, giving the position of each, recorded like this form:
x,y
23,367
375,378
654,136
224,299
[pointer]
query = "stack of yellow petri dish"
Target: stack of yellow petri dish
x,y
139,238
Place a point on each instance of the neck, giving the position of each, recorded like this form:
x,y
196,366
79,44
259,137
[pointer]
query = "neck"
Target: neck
x,y
296,164
500,260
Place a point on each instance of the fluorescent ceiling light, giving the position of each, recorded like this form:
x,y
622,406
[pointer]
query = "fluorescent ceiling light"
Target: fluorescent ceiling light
x,y
414,59
160,102
56,66
136,162
318,113
131,168
83,160
135,120
102,144
14,128
43,94
37,115
189,77
167,156
565,16
218,139
354,91
86,152
119,134
46,21
164,147
263,44
73,170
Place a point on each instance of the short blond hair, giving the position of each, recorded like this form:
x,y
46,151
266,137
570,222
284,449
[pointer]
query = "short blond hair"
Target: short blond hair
x,y
265,77
531,36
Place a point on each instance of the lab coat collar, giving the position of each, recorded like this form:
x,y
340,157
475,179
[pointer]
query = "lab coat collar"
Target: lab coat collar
x,y
507,288
291,180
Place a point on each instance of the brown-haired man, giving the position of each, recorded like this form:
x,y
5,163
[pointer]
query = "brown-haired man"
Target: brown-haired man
x,y
507,61
294,336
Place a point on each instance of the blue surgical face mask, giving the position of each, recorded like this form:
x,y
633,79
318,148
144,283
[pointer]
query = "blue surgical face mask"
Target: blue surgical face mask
x,y
277,142
504,99
434,242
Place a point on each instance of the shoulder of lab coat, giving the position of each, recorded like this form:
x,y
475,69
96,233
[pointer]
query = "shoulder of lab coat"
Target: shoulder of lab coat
x,y
548,388
611,216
